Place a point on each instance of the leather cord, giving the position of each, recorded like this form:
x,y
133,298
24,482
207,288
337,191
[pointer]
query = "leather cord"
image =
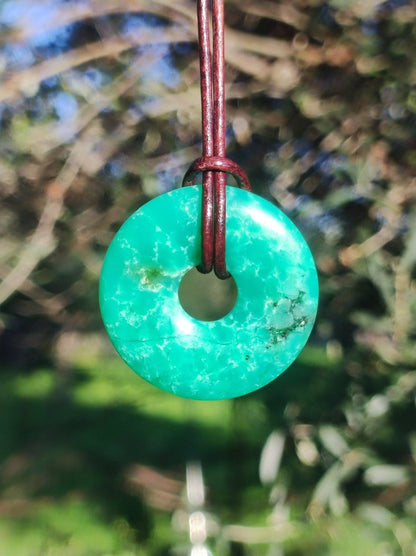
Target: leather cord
x,y
213,164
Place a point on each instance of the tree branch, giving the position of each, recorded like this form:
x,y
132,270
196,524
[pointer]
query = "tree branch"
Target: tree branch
x,y
42,241
28,80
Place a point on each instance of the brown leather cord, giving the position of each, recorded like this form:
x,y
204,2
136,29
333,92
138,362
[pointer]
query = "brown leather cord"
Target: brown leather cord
x,y
207,136
216,164
213,163
220,179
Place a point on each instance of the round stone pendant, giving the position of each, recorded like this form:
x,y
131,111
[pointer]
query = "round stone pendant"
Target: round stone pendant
x,y
208,360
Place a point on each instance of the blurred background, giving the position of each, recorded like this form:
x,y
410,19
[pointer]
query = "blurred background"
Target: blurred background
x,y
100,112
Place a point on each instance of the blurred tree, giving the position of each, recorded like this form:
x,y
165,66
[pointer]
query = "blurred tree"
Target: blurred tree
x,y
100,112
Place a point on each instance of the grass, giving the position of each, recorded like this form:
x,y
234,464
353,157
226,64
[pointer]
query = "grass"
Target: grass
x,y
68,527
66,457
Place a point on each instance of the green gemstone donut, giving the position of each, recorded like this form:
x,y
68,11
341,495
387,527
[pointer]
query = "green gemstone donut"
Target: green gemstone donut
x,y
241,352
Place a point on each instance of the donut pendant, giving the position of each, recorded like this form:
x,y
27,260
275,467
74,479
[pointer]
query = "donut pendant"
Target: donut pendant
x,y
208,360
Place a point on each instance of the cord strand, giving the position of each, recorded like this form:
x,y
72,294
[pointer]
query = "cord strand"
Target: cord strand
x,y
207,135
213,164
220,178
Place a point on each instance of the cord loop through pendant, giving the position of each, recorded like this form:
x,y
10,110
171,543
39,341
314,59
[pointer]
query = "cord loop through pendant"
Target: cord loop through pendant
x,y
213,163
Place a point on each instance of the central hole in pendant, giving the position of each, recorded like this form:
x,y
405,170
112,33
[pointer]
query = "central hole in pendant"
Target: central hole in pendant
x,y
206,297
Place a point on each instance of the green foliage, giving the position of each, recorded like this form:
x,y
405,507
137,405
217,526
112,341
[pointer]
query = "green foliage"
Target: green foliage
x,y
68,483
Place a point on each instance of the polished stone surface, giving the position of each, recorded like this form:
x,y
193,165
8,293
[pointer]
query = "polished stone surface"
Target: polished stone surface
x,y
241,352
